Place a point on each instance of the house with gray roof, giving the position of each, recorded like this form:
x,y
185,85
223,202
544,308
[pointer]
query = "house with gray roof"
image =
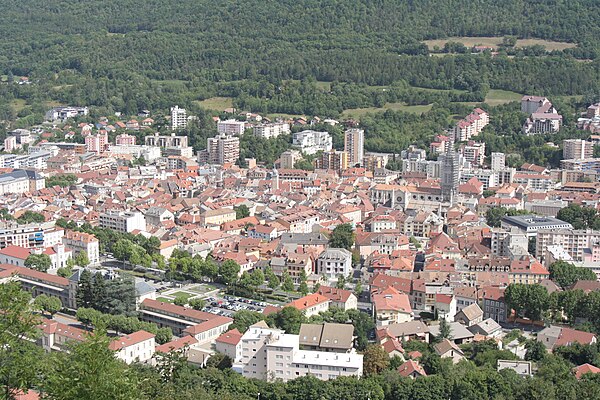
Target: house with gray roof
x,y
334,262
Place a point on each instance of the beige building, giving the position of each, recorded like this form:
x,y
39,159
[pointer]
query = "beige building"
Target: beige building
x,y
354,145
575,242
288,159
577,149
217,217
333,159
83,242
223,149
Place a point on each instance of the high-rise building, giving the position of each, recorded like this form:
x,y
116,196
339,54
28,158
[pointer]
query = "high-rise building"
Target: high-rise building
x,y
288,159
333,159
450,174
178,118
577,149
498,161
273,130
354,145
223,149
96,143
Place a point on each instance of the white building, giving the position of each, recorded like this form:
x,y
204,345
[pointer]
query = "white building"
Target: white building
x,y
83,242
311,142
273,130
498,161
21,181
334,262
64,113
123,221
135,347
270,354
178,118
231,127
150,153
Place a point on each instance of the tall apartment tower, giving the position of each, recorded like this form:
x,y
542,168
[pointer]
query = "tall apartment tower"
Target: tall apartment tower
x,y
450,174
498,161
354,145
178,118
577,149
223,149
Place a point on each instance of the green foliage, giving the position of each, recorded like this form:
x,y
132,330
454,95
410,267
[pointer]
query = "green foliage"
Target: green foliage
x,y
287,284
375,360
219,361
566,274
82,259
529,301
241,211
180,300
197,303
29,217
115,296
494,215
49,304
580,217
228,271
289,319
242,319
536,351
445,330
342,237
62,180
39,262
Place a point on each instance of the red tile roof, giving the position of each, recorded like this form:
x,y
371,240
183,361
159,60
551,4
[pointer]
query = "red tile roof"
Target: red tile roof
x,y
308,301
232,337
176,344
130,340
16,252
585,369
409,367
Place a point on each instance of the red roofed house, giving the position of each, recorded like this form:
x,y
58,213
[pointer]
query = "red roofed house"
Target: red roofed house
x,y
229,343
311,304
494,306
556,336
55,335
340,298
527,271
135,347
445,305
411,369
585,369
391,306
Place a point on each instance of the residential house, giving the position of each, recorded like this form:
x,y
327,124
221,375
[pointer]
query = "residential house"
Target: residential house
x,y
470,315
449,349
391,306
340,298
312,304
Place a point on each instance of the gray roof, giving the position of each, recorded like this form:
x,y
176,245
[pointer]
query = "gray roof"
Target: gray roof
x,y
328,335
472,312
445,346
19,174
407,328
457,331
525,221
142,288
486,327
335,254
304,238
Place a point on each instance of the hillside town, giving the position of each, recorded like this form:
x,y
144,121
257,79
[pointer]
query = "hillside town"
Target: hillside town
x,y
212,257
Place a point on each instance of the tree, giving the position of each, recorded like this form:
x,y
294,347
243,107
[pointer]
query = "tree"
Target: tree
x,y
229,270
99,292
303,287
197,303
219,361
85,296
49,304
342,237
163,335
580,217
31,217
180,300
566,274
375,360
272,279
529,301
123,250
242,319
536,351
358,288
82,259
39,262
341,282
241,211
19,356
287,284
445,330
89,370
65,272
289,319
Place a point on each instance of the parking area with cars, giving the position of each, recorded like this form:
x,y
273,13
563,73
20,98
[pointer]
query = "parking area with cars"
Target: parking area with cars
x,y
228,305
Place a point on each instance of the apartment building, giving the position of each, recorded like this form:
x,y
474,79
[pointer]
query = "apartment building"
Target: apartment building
x,y
334,160
311,304
333,262
301,222
340,298
231,127
268,131
577,149
474,153
354,145
391,307
543,117
27,236
125,222
97,143
494,306
471,125
164,141
575,242
37,160
178,119
83,242
204,327
125,139
288,159
310,142
222,149
270,354
21,181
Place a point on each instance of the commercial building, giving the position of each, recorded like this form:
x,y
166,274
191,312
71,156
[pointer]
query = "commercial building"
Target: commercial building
x,y
123,221
268,131
531,224
178,119
354,145
311,142
231,127
270,354
577,149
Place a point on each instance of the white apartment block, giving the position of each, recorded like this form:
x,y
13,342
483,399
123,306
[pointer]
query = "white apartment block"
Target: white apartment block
x,y
498,161
354,145
311,142
21,181
28,236
150,153
268,131
575,242
231,127
270,354
81,241
577,149
123,221
171,140
471,125
64,113
334,262
178,118
35,160
135,347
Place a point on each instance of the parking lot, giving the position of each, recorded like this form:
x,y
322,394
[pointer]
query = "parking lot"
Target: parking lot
x,y
228,305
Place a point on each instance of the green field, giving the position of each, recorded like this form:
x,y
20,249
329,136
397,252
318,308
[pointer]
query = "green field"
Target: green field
x,y
182,294
498,97
164,300
18,104
216,103
358,112
495,42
